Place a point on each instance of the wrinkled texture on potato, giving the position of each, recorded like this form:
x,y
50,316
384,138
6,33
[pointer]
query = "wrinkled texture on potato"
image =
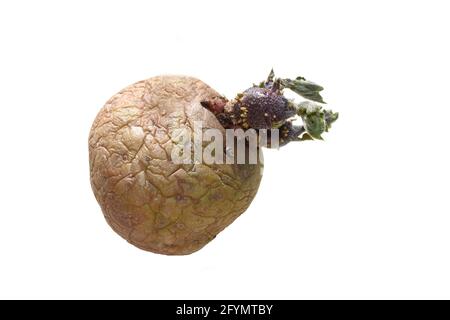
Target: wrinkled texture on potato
x,y
153,203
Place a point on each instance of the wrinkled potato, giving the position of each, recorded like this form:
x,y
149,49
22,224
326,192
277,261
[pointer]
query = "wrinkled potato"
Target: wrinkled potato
x,y
169,208
153,203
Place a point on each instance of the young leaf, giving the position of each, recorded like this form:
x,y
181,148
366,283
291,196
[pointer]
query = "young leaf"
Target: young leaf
x,y
271,76
307,89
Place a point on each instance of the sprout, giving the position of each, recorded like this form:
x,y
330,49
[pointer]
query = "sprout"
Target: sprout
x,y
264,106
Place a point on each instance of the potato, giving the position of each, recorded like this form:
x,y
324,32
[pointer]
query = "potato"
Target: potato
x,y
152,202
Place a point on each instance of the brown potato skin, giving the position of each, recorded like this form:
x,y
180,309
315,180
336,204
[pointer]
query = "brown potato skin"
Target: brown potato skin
x,y
153,203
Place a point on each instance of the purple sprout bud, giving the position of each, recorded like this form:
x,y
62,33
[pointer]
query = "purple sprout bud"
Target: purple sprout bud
x,y
262,108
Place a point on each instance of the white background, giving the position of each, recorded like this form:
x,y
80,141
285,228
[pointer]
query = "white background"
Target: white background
x,y
364,214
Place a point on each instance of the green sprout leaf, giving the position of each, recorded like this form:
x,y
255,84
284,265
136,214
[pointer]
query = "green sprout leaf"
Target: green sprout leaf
x,y
306,136
307,89
330,117
271,76
315,119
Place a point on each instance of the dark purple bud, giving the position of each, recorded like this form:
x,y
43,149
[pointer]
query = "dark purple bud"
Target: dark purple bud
x,y
262,108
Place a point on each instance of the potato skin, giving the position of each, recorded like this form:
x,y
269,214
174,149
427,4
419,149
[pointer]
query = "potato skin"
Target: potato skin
x,y
153,203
